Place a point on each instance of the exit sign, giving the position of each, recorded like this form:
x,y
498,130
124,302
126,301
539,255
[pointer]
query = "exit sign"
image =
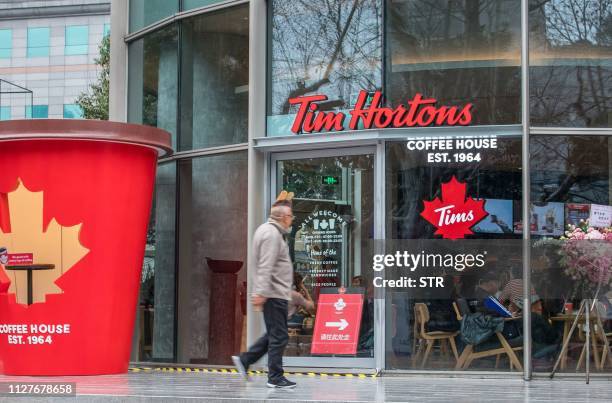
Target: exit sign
x,y
330,180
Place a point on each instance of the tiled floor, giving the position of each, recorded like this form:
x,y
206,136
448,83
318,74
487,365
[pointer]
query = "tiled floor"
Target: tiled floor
x,y
157,386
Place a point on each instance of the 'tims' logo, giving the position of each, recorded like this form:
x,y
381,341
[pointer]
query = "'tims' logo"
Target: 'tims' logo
x,y
454,214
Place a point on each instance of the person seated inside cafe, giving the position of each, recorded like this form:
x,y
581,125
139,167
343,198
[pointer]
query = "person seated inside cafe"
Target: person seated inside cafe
x,y
544,336
488,286
439,302
301,303
546,339
512,297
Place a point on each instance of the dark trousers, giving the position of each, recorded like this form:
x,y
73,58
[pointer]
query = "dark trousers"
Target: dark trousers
x,y
273,342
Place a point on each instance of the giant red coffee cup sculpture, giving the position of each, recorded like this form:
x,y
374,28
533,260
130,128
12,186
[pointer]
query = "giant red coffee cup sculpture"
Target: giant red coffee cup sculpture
x,y
75,198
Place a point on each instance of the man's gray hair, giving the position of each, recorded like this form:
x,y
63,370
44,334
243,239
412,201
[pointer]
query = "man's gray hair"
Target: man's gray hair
x,y
277,212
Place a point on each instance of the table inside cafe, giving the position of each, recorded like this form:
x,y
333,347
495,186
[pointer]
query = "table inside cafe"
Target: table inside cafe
x,y
597,335
29,268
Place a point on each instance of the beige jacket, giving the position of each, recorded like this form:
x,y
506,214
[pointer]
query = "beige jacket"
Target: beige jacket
x,y
273,267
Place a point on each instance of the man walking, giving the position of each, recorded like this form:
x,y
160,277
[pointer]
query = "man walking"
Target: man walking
x,y
272,291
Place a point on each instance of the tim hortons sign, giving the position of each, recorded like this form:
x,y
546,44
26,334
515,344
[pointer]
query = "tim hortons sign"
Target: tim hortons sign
x,y
369,112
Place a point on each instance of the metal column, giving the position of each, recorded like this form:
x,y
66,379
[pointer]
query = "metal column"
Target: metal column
x,y
257,166
526,190
379,234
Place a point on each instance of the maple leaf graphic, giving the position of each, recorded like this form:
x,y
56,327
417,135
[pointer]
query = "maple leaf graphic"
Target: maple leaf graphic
x,y
56,245
454,214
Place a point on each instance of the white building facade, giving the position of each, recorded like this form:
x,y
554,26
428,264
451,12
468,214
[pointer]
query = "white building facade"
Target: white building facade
x,y
47,55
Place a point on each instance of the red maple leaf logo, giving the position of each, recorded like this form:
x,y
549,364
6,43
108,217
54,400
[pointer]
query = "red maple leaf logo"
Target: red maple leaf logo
x,y
454,214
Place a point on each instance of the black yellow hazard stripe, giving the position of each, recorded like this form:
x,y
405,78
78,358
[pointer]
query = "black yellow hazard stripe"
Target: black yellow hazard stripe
x,y
234,371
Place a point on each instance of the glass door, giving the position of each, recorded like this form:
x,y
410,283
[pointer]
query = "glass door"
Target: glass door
x,y
331,246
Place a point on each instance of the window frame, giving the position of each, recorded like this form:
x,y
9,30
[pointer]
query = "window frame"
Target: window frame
x,y
32,111
6,46
38,50
72,107
80,46
5,113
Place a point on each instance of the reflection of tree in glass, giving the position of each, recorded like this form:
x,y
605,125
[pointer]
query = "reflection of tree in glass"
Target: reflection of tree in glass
x,y
574,169
331,47
304,177
148,264
457,51
157,46
571,45
149,109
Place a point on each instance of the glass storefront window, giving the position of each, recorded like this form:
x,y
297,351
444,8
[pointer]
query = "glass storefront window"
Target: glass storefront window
x,y
215,79
191,4
193,293
321,47
456,52
212,258
571,185
153,80
471,271
155,317
146,12
331,240
570,44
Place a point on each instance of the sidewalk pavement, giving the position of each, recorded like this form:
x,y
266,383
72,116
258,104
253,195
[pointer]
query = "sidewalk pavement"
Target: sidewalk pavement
x,y
160,386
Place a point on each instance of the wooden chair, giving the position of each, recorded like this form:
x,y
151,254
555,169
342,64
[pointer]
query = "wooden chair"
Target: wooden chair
x,y
468,355
598,335
605,345
421,317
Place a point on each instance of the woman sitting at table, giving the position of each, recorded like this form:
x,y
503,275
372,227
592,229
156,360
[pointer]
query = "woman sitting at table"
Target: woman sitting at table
x,y
544,336
512,298
488,288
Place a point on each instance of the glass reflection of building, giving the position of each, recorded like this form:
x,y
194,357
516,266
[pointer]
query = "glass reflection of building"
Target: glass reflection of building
x,y
219,77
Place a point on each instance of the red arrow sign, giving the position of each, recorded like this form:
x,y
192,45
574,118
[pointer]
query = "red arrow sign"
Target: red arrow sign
x,y
340,325
337,324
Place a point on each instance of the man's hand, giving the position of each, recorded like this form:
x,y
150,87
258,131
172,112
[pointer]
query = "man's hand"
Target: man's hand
x,y
310,307
258,300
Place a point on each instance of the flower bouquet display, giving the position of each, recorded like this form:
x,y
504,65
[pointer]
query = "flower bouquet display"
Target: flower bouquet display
x,y
586,254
